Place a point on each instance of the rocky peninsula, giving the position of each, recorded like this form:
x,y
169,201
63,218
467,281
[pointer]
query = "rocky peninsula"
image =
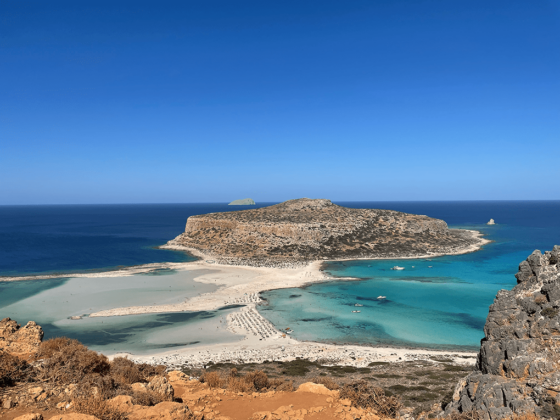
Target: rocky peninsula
x,y
299,231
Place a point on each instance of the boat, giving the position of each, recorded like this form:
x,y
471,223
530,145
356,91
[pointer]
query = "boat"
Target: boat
x,y
381,297
357,304
430,266
356,312
396,267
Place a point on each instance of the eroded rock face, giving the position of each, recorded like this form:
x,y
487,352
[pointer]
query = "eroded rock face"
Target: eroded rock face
x,y
20,341
518,368
306,230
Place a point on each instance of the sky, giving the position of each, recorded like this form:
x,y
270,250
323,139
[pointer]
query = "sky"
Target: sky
x,y
215,100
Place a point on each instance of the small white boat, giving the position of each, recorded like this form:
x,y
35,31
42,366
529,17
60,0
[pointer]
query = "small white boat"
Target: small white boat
x,y
430,266
356,312
396,267
381,297
357,304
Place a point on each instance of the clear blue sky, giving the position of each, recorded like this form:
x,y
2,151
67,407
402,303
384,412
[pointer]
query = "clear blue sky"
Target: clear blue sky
x,y
209,101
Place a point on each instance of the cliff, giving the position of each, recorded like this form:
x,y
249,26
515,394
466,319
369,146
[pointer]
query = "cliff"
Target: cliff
x,y
304,230
519,360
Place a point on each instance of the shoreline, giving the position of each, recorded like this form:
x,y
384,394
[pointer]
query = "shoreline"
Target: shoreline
x,y
242,285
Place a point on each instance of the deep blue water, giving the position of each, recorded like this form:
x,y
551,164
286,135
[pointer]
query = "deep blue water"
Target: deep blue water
x,y
64,239
442,306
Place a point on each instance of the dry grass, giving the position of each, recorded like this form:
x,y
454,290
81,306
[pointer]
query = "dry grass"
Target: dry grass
x,y
469,415
13,369
97,407
256,381
328,382
361,394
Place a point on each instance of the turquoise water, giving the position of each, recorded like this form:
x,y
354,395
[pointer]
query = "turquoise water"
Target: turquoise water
x,y
52,302
441,307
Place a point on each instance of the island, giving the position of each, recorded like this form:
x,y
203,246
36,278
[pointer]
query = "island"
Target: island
x,y
305,230
243,202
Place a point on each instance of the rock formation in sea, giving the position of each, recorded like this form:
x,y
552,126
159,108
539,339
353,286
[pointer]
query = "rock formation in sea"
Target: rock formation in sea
x,y
491,222
518,367
243,202
305,230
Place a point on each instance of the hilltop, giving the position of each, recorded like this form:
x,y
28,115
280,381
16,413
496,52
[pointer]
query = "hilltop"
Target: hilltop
x,y
306,230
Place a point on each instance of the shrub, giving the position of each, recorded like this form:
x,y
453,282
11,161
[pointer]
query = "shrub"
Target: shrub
x,y
68,361
97,407
328,382
361,394
258,379
127,372
213,379
13,369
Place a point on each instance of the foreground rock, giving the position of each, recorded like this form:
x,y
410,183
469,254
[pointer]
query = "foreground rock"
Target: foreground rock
x,y
20,341
519,360
305,230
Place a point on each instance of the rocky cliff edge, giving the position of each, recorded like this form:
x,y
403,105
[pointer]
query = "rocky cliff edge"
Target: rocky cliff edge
x,y
518,365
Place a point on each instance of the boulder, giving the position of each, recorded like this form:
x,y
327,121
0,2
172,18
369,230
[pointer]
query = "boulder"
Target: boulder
x,y
518,368
161,411
20,341
121,403
161,386
316,389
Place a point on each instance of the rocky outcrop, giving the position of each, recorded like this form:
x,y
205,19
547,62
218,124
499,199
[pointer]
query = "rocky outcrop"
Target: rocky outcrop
x,y
518,367
243,202
305,230
20,341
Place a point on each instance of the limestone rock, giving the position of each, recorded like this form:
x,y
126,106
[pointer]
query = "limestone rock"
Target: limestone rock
x,y
243,202
121,403
20,341
138,387
518,367
73,416
161,411
304,230
161,386
316,389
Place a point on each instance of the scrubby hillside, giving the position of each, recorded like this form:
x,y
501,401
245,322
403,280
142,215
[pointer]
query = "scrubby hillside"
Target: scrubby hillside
x,y
304,230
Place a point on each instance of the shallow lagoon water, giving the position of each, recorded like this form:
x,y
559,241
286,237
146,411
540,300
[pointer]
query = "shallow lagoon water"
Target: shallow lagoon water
x,y
443,306
52,302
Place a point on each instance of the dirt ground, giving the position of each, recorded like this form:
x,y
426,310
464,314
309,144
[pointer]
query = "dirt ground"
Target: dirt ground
x,y
419,384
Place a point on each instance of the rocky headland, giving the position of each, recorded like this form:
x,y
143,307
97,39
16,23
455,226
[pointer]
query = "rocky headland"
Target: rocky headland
x,y
518,367
303,230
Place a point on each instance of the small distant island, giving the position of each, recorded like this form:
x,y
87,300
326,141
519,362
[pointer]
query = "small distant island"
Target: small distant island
x,y
305,230
243,202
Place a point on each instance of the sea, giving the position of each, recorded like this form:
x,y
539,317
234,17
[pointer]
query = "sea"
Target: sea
x,y
436,303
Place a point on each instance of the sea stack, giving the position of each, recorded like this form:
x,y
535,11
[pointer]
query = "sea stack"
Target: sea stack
x,y
491,222
243,202
518,367
303,230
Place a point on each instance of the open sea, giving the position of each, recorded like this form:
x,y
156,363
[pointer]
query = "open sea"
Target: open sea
x,y
439,303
